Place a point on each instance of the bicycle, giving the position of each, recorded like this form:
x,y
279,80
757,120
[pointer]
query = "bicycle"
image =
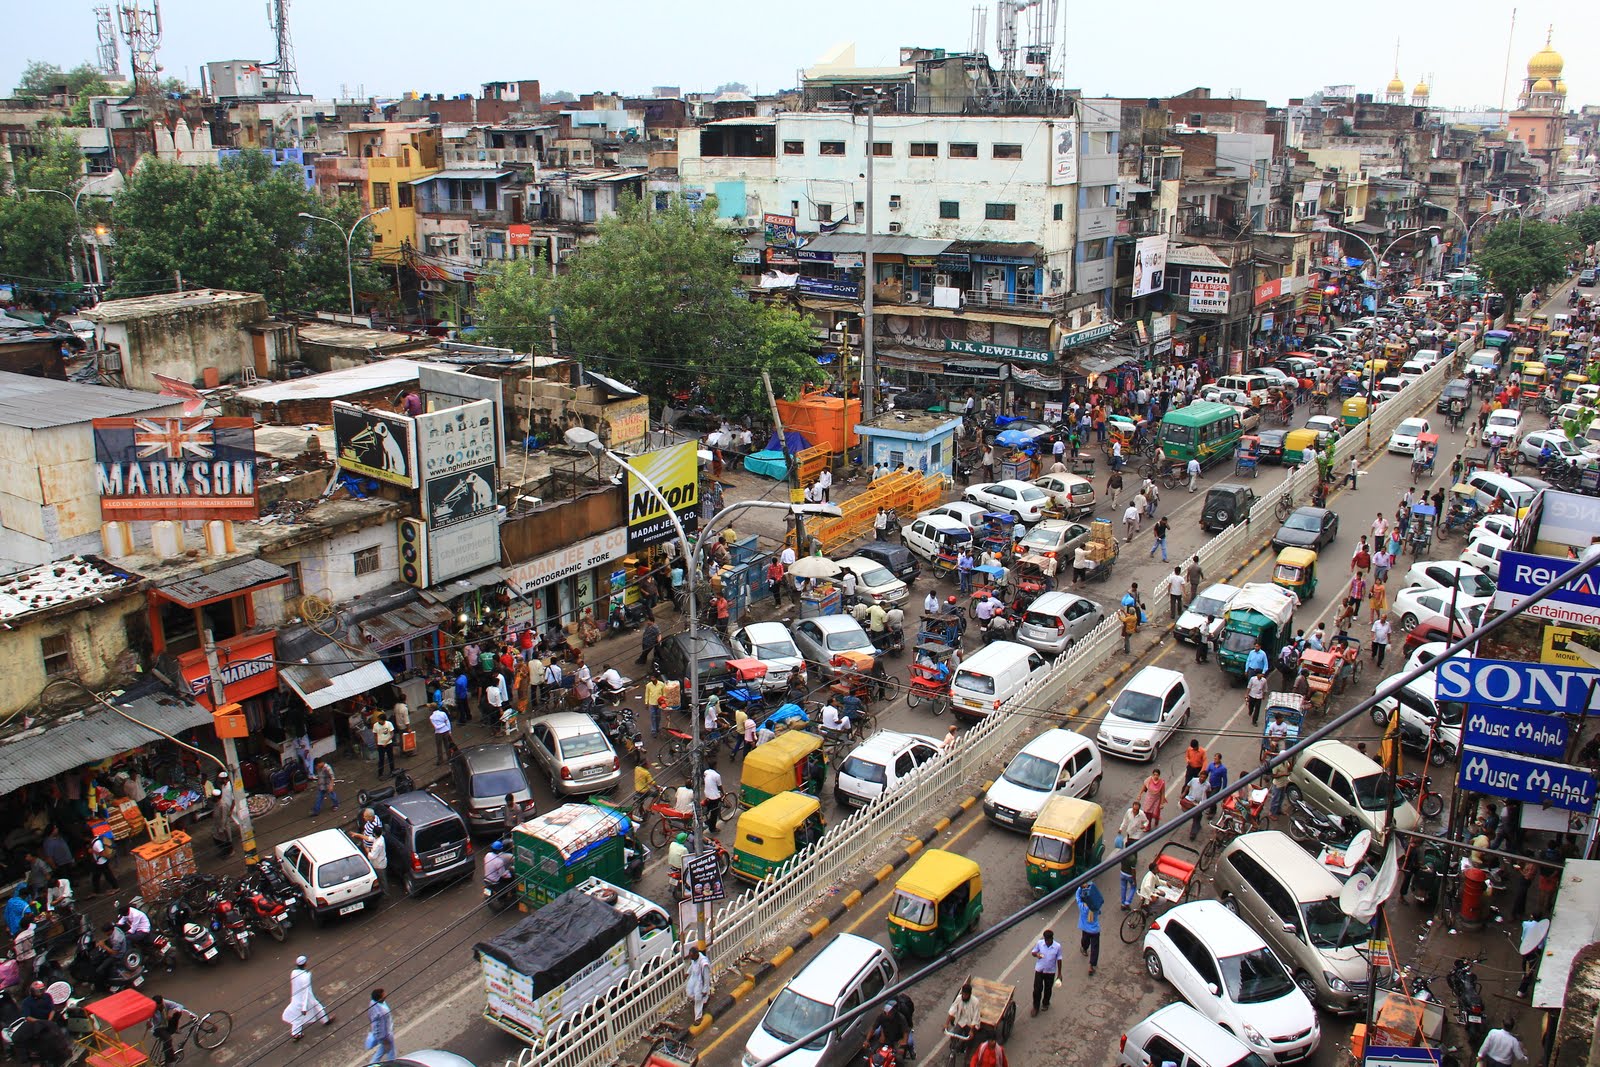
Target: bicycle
x,y
208,1031
1285,507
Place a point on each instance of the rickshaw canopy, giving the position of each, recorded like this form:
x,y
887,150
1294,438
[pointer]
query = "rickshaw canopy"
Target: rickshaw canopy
x,y
779,765
938,873
1297,557
1355,406
123,1010
1068,817
776,818
1428,440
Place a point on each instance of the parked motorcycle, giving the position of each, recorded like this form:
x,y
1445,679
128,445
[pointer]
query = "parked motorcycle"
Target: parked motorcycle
x,y
890,642
1307,823
156,945
1468,992
105,970
1418,788
1425,742
192,936
229,923
265,913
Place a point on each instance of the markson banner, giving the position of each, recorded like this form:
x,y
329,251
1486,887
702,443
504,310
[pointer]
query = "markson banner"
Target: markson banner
x,y
160,467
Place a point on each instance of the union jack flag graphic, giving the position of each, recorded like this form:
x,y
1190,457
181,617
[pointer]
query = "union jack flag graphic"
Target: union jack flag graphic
x,y
175,437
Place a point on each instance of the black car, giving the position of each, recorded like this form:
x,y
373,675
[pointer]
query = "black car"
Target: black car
x,y
1226,505
1271,444
1456,389
426,841
895,558
1307,528
916,400
672,656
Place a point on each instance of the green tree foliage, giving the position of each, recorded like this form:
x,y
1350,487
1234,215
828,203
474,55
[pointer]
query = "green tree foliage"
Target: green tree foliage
x,y
1586,224
237,226
39,79
1521,255
84,83
655,301
36,229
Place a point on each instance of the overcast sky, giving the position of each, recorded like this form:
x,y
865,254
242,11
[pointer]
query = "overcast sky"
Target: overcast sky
x,y
1255,48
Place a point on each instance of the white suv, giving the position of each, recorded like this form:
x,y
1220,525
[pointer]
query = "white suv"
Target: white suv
x,y
881,764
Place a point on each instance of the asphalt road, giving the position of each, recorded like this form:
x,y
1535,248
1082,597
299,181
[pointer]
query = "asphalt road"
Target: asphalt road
x,y
420,950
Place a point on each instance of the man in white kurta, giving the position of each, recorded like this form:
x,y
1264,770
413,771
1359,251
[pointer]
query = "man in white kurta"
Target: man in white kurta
x,y
303,1006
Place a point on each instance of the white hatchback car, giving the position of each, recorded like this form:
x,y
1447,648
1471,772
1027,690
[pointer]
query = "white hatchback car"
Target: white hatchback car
x,y
1179,1034
874,581
1404,438
1212,603
1449,574
1229,975
881,764
1024,501
770,643
1056,763
1500,525
1483,552
1151,708
1503,422
965,512
1413,607
330,872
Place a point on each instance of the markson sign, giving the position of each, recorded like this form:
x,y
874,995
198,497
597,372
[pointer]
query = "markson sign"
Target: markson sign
x,y
156,467
1521,574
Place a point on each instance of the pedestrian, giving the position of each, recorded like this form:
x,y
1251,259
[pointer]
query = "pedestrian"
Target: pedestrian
x,y
380,1029
1116,453
1350,474
1194,761
1379,600
1216,775
711,797
1134,826
1361,559
1380,639
1089,904
1382,560
1113,487
1130,523
650,637
964,570
1280,784
1177,590
463,692
1160,532
383,739
1500,1046
1129,614
1534,933
825,484
1288,663
1193,470
1153,796
325,790
303,1006
1193,793
1256,689
698,986
442,743
1046,955
880,525
1194,574
101,855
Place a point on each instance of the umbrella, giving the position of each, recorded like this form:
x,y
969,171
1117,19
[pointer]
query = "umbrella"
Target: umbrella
x,y
1013,439
814,567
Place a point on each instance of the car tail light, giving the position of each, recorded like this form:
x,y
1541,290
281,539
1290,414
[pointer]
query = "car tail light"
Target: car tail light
x,y
997,703
469,846
616,764
1061,628
566,772
322,902
416,862
1122,1044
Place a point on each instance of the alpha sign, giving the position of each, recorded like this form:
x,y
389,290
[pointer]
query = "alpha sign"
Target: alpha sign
x,y
1512,730
1531,781
1539,687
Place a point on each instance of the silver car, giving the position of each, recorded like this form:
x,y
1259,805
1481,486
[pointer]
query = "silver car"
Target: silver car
x,y
573,753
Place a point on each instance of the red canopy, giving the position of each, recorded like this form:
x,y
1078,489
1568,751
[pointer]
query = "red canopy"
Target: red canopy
x,y
122,1010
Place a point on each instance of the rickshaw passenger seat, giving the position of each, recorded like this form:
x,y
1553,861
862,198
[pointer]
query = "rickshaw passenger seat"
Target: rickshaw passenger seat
x,y
1174,868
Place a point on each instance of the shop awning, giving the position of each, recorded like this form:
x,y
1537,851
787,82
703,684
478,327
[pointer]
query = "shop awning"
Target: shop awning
x,y
224,582
1099,364
95,734
401,624
885,243
1195,256
333,673
467,583
1371,229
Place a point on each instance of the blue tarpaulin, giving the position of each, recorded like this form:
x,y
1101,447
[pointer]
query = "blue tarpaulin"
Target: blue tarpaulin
x,y
797,442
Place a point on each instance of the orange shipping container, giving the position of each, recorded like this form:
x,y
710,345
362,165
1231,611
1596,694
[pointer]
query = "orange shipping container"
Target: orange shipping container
x,y
823,420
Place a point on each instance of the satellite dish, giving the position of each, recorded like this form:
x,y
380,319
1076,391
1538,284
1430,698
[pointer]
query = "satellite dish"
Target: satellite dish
x,y
1350,896
1533,937
1359,845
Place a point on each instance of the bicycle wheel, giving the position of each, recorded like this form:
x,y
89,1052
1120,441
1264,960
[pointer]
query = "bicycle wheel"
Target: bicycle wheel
x,y
1134,924
1210,852
658,833
158,1053
1284,508
213,1029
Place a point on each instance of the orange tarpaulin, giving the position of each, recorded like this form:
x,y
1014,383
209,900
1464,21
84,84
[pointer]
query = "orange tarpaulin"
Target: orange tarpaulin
x,y
823,420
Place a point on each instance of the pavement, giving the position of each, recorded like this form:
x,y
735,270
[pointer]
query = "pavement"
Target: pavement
x,y
420,949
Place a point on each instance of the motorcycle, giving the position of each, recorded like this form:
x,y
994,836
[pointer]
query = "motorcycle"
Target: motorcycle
x,y
498,896
1000,628
31,1041
107,971
1308,824
265,913
1464,985
156,945
1425,742
1418,788
229,923
192,936
889,641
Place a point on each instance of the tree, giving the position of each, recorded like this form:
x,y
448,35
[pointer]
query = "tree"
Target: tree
x,y
1523,255
733,87
39,79
1586,224
559,96
237,226
37,230
83,84
655,301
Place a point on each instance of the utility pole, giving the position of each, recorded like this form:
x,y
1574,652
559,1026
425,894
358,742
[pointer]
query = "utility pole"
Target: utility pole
x,y
230,755
869,369
554,350
796,494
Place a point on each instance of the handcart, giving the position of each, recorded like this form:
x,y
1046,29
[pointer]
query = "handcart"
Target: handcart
x,y
1424,517
997,1012
1248,456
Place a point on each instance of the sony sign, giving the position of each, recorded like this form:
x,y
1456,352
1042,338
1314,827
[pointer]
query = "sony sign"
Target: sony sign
x,y
1550,688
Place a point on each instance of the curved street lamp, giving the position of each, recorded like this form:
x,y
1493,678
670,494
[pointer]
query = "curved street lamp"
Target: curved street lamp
x,y
349,236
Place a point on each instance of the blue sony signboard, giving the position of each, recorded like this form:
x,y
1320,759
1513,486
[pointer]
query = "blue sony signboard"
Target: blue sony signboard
x,y
828,287
1531,781
1514,730
1549,688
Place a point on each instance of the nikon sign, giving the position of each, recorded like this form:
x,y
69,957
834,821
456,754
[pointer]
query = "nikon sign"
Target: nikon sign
x,y
676,472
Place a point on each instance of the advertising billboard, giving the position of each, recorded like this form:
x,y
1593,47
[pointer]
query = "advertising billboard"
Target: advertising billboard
x,y
455,439
159,467
1208,292
676,471
1149,264
377,444
442,385
1064,152
463,547
457,497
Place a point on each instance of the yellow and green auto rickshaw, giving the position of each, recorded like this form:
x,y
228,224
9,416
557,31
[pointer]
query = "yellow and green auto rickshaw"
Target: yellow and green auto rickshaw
x,y
935,902
1379,367
1068,838
1569,385
1353,410
790,761
1534,377
1296,571
771,833
1520,358
1297,445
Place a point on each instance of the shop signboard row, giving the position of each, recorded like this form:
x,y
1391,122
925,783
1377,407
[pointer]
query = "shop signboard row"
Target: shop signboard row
x,y
1577,602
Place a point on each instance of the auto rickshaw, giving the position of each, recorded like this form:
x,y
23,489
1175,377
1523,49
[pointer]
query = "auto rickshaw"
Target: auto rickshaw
x,y
1534,376
773,832
1297,445
1569,385
788,762
1380,367
1497,339
935,902
1353,410
1296,571
1068,838
1521,357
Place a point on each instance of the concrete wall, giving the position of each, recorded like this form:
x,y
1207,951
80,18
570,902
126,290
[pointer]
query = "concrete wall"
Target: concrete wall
x,y
98,637
327,570
183,342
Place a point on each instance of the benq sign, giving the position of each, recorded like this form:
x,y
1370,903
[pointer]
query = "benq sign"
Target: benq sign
x,y
1544,687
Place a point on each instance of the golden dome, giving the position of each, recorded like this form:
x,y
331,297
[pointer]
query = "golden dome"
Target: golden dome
x,y
1561,87
1420,90
1546,63
1543,85
1396,85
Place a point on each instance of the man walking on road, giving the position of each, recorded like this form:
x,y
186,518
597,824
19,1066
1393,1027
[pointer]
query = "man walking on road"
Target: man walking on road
x,y
1161,539
1380,639
1089,904
1130,522
383,738
440,721
1177,586
380,1029
325,782
303,1006
1256,688
1500,1046
1193,471
1046,955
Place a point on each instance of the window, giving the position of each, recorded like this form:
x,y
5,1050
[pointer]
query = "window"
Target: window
x,y
1095,249
832,148
949,209
883,148
924,149
1007,151
368,560
824,212
406,196
794,148
860,210
57,652
1058,212
1000,212
380,194
963,150
292,589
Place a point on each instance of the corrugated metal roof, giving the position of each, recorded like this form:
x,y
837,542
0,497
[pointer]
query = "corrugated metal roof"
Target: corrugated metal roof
x,y
462,175
443,594
31,403
887,243
1195,256
335,383
401,624
234,578
1016,249
333,673
94,735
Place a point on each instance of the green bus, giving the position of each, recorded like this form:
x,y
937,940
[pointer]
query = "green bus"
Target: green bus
x,y
1204,430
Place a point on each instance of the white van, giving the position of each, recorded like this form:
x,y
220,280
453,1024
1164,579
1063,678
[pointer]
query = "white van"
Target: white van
x,y
1056,763
991,676
1244,383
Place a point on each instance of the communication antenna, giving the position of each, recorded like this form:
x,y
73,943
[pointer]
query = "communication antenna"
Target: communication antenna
x,y
141,28
278,19
980,29
105,30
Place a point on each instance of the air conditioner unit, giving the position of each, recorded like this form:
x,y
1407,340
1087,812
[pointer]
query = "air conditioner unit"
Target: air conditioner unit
x,y
414,553
894,203
942,280
431,285
895,227
855,338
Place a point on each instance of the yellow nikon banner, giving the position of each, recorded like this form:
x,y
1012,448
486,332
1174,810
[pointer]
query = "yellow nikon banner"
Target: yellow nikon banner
x,y
676,472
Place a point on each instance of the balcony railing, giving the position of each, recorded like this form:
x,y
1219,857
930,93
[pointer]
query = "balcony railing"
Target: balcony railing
x,y
979,298
1204,226
1144,226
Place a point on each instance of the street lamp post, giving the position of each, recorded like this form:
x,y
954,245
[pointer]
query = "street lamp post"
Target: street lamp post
x,y
349,236
588,440
77,220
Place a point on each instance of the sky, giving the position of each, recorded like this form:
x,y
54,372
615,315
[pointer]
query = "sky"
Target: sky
x,y
1250,48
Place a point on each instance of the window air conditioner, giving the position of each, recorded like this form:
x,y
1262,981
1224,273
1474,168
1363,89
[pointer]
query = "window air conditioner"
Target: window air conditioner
x,y
431,285
895,227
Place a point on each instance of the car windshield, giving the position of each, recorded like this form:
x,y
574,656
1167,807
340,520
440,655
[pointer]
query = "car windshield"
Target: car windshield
x,y
1412,427
1482,359
342,870
775,648
876,578
1031,772
1050,848
1173,434
1475,584
1254,977
1302,521
498,782
856,767
793,1016
584,744
1327,926
1563,446
1137,707
1208,605
1451,712
440,835
1373,792
1238,641
974,683
845,640
913,909
1049,538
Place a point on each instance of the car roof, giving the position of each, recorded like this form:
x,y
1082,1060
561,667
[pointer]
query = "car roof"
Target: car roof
x,y
829,970
1344,757
833,623
324,845
1222,931
759,629
949,521
888,743
1055,743
861,563
1155,680
1219,589
565,722
491,756
417,806
1308,879
887,549
1054,600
